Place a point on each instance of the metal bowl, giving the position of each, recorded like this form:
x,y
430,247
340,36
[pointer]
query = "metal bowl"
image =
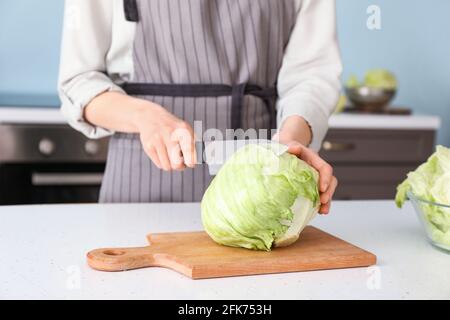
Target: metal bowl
x,y
423,209
370,99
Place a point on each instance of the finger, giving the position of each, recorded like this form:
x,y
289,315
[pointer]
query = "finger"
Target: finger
x,y
313,159
325,177
327,196
161,149
175,157
186,140
152,153
296,149
276,137
325,170
325,209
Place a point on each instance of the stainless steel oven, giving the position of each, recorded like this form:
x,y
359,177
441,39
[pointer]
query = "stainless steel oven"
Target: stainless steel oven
x,y
49,163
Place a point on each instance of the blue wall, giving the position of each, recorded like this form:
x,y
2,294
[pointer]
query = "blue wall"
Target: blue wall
x,y
30,33
414,43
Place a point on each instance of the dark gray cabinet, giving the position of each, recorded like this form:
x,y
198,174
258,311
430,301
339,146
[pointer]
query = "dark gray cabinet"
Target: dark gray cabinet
x,y
371,163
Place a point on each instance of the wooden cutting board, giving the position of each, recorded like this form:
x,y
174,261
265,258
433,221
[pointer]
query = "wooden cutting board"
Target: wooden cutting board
x,y
195,255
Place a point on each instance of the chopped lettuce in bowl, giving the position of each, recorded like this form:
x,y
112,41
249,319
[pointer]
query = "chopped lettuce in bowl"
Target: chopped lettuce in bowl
x,y
428,187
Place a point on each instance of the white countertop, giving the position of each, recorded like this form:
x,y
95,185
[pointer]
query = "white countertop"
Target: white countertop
x,y
393,122
43,256
340,121
26,115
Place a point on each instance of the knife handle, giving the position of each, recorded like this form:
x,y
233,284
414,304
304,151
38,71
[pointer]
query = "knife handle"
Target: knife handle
x,y
200,151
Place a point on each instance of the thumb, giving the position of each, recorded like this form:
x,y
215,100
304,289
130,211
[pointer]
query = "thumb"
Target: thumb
x,y
276,137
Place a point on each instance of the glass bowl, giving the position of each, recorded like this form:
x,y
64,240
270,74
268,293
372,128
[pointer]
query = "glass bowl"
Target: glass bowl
x,y
435,218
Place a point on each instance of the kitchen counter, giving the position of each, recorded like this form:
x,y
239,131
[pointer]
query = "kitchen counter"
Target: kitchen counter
x,y
389,122
26,115
43,256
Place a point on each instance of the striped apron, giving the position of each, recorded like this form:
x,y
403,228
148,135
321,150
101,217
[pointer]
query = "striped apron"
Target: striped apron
x,y
215,62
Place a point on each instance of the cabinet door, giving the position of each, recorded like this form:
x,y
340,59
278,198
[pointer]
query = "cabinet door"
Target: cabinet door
x,y
371,163
377,146
369,182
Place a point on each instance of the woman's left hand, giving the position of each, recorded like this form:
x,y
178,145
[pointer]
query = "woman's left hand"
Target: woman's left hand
x,y
293,134
327,181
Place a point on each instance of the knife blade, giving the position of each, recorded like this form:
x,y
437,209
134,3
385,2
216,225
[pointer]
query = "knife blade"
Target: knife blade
x,y
216,153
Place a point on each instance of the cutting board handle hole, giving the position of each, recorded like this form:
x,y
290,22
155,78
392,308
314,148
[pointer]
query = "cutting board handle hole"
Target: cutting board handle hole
x,y
114,253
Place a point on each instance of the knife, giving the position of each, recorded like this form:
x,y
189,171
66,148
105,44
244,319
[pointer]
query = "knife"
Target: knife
x,y
216,153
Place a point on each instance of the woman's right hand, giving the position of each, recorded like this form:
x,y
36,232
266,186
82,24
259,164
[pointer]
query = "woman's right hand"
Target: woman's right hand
x,y
166,139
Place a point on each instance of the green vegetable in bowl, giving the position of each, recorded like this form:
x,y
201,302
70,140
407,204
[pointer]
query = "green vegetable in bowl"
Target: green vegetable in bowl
x,y
431,182
380,79
376,79
259,199
353,82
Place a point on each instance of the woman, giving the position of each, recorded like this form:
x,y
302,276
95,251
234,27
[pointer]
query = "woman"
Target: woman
x,y
143,71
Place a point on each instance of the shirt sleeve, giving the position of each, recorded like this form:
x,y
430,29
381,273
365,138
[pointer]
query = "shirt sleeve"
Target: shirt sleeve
x,y
309,81
86,40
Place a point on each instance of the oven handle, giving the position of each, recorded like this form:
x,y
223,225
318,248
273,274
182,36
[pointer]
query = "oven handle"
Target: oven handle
x,y
66,179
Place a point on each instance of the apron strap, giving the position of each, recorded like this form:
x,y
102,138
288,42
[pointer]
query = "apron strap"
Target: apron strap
x,y
237,93
237,97
131,10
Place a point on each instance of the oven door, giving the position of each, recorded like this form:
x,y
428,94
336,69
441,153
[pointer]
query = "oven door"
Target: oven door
x,y
50,183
